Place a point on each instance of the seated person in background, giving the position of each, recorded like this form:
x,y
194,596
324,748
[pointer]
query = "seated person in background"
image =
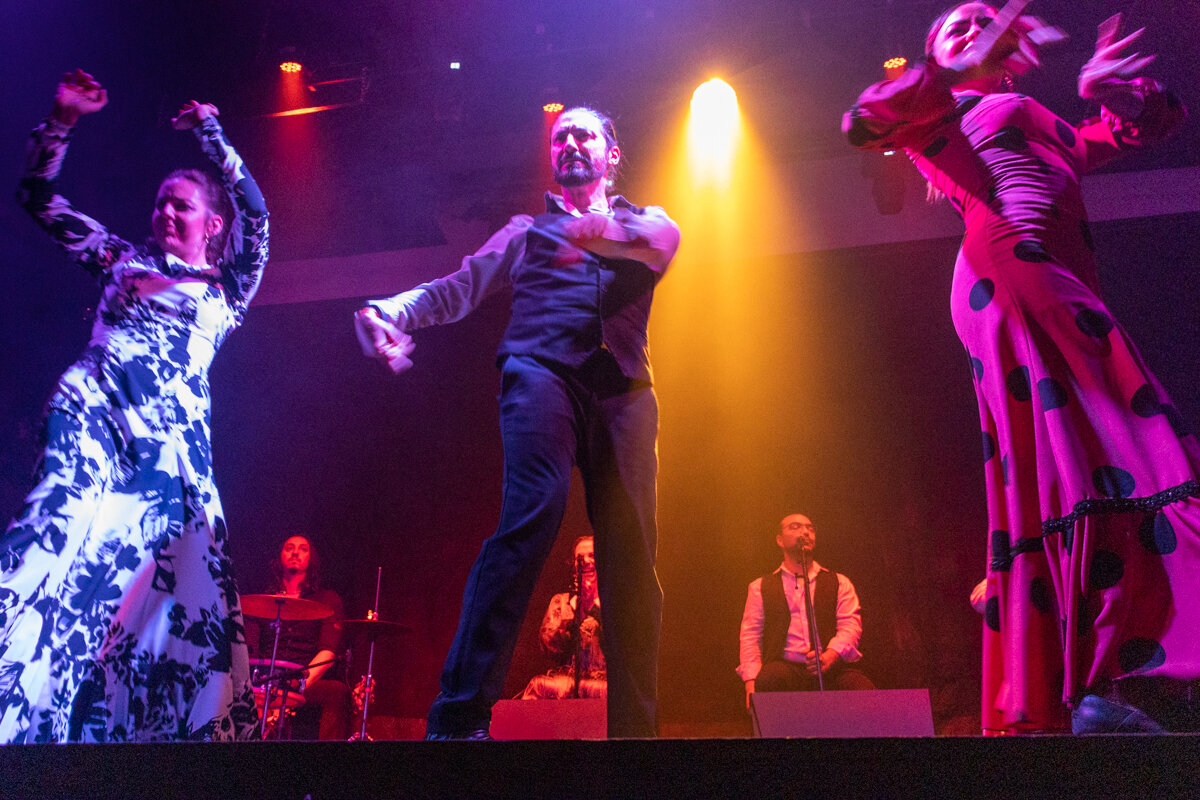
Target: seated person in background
x,y
326,713
777,654
568,636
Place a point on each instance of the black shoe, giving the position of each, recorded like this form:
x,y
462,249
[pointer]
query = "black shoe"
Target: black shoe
x,y
1094,714
477,735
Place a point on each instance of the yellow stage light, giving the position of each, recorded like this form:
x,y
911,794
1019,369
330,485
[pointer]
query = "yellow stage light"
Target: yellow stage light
x,y
715,102
552,108
713,132
290,66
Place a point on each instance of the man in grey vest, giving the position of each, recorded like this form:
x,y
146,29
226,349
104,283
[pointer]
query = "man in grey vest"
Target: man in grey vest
x,y
575,391
778,652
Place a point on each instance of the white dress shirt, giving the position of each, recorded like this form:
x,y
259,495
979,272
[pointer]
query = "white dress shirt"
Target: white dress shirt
x,y
844,640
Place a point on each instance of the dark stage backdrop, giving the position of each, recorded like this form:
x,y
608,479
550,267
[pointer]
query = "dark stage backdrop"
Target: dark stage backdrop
x,y
403,473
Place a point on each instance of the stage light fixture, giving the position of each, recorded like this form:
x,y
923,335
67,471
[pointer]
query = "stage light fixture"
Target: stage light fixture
x,y
297,97
552,108
290,66
455,65
715,101
894,67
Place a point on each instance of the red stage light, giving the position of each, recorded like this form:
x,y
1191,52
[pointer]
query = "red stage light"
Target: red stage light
x,y
290,66
552,108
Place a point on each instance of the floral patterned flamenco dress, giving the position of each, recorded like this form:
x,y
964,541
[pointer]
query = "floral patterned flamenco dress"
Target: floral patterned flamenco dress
x,y
1092,475
119,616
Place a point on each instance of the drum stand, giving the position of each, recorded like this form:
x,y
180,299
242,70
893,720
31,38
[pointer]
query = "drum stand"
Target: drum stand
x,y
273,681
373,614
368,690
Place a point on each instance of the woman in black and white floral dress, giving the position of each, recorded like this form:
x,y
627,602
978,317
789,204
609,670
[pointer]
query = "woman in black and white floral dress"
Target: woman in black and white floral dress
x,y
119,617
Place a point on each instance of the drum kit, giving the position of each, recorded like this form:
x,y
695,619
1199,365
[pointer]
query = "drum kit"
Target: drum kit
x,y
279,685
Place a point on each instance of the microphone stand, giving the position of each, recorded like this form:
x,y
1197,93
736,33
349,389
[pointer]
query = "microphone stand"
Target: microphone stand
x,y
814,635
577,656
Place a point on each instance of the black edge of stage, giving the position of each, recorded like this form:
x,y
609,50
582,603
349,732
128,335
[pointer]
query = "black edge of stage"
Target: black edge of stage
x,y
1101,766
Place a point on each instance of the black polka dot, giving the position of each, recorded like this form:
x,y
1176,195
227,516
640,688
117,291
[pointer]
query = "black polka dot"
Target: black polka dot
x,y
1004,467
977,368
1052,394
989,446
1018,384
1113,481
991,613
1094,323
1145,402
981,294
1065,132
1140,654
1157,534
935,147
967,103
1010,137
1178,423
1085,230
1001,552
1030,251
1084,619
1105,570
1041,596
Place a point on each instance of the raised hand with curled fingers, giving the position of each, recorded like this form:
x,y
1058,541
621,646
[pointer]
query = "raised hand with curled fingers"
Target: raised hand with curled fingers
x,y
383,341
1105,77
191,113
78,94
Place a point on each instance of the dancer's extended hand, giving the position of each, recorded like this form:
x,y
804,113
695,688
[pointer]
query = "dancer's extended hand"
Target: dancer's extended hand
x,y
383,341
190,115
78,94
1105,77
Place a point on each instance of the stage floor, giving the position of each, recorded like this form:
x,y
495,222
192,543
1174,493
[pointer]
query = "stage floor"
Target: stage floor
x,y
1016,767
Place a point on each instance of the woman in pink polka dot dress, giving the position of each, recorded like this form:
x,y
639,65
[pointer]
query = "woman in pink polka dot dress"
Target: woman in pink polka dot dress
x,y
1093,568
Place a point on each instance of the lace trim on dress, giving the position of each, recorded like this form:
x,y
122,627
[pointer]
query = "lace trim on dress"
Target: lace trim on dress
x,y
1121,505
1003,551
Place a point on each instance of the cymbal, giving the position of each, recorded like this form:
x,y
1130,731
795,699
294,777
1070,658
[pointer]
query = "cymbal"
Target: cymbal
x,y
265,606
373,628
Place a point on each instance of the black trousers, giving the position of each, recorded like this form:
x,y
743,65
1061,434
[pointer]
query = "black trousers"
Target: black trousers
x,y
553,418
788,676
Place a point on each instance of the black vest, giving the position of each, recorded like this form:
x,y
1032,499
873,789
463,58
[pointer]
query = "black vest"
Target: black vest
x,y
777,616
566,313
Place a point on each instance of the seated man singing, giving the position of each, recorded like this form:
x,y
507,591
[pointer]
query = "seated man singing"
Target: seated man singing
x,y
778,646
